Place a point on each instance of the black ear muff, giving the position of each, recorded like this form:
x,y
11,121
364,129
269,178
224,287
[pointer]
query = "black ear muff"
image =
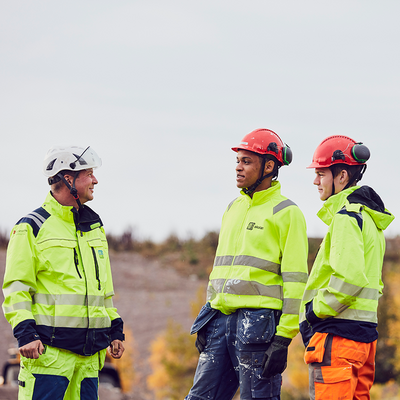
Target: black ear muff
x,y
360,153
287,155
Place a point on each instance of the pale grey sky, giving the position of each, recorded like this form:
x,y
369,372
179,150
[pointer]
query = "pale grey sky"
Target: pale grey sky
x,y
163,90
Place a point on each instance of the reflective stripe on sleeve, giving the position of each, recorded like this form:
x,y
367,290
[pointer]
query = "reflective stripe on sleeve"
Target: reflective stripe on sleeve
x,y
291,306
23,305
298,277
16,286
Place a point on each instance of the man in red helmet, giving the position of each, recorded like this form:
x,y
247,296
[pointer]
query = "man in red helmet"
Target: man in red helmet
x,y
338,318
257,281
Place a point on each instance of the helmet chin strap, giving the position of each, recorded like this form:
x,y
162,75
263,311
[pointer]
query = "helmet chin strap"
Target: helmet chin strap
x,y
250,190
72,189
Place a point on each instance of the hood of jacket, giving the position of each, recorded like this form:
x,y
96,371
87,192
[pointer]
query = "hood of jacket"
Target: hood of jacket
x,y
368,200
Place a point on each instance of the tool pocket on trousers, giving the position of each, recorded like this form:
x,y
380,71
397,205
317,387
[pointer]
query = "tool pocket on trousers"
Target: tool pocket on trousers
x,y
255,326
333,383
351,351
47,359
315,350
205,315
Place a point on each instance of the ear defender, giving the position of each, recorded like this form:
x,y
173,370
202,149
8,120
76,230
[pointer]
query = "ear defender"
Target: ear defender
x,y
360,153
287,155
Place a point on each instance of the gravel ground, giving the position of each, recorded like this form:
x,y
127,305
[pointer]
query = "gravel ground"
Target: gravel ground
x,y
147,296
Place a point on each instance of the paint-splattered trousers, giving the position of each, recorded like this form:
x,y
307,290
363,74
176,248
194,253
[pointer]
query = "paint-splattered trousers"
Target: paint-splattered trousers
x,y
340,369
60,375
233,355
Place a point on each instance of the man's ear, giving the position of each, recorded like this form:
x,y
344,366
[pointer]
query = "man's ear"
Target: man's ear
x,y
269,167
343,177
69,178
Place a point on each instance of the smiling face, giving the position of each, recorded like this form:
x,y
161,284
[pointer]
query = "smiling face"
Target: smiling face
x,y
247,168
85,185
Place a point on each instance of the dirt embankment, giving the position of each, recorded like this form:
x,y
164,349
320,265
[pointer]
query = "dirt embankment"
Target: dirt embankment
x,y
147,296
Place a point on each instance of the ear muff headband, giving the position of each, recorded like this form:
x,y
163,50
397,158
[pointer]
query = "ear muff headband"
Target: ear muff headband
x,y
360,153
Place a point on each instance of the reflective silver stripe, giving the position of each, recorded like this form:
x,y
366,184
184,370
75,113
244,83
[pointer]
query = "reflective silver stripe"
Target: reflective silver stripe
x,y
72,322
246,288
250,261
283,204
309,294
68,300
291,306
359,315
17,286
300,277
344,287
39,219
216,285
108,303
223,260
230,204
23,305
332,302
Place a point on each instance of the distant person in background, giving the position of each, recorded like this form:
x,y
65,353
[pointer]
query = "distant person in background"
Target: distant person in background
x,y
339,308
58,286
257,282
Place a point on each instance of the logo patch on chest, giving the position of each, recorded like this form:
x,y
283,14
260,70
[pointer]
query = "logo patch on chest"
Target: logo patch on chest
x,y
101,254
252,225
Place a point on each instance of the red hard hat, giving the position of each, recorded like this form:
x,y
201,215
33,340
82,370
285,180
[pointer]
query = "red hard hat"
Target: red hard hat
x,y
339,149
265,141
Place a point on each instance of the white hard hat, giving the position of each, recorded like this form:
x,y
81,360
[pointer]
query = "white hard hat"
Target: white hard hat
x,y
70,158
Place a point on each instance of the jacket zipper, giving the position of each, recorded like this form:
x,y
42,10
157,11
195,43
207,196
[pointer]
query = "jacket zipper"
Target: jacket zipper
x,y
96,265
77,263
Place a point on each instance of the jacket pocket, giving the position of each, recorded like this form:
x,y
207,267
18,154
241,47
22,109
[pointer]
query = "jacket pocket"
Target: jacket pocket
x,y
205,315
316,348
255,326
100,256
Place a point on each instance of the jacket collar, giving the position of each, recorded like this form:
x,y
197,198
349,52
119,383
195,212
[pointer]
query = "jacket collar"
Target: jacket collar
x,y
85,219
264,195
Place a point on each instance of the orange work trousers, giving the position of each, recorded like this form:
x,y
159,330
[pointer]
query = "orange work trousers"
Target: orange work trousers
x,y
339,368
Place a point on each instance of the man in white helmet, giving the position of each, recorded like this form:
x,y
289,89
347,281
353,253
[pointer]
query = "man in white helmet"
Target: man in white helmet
x,y
58,286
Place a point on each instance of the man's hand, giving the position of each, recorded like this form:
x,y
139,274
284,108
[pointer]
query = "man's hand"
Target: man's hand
x,y
275,358
32,350
116,349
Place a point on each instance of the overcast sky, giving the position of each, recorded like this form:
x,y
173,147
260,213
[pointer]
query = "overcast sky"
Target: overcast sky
x,y
163,89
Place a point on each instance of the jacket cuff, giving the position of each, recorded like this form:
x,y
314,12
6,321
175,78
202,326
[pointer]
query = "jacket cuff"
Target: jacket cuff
x,y
117,330
25,332
283,341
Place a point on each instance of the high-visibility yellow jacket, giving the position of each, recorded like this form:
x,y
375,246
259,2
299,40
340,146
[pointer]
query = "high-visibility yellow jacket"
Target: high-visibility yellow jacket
x,y
345,283
57,285
261,259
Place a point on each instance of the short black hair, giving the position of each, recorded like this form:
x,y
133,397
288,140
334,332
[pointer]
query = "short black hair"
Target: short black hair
x,y
353,171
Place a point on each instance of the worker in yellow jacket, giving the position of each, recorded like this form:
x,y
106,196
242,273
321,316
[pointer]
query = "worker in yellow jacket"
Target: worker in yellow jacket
x,y
58,287
338,319
257,282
